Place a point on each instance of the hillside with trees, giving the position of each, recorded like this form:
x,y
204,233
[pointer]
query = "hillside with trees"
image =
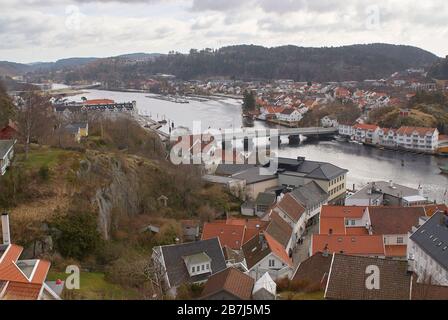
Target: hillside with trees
x,y
427,109
250,62
439,70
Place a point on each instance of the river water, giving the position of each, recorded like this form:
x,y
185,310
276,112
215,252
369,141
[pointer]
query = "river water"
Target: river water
x,y
365,164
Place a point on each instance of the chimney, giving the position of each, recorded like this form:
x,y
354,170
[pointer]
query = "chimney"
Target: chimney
x,y
5,229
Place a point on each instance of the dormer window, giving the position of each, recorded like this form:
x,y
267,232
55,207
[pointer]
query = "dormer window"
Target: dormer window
x,y
198,263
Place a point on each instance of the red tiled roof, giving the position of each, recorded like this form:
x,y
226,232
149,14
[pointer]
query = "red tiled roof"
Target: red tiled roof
x,y
396,250
364,126
22,291
291,207
12,254
348,244
232,281
342,211
420,131
98,101
277,249
229,235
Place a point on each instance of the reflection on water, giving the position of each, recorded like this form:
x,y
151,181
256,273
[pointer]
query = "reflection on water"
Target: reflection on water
x,y
365,164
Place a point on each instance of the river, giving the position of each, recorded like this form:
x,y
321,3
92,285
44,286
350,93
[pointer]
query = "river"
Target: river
x,y
365,164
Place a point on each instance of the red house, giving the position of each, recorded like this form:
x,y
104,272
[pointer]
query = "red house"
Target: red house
x,y
9,132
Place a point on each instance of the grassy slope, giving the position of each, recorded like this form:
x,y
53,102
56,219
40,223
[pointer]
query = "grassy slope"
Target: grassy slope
x,y
94,286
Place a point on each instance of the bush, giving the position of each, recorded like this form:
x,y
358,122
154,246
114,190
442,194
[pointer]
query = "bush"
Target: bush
x,y
44,173
79,236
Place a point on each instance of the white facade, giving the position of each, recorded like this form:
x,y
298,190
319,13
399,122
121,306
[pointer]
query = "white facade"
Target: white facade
x,y
329,122
5,162
426,267
271,264
417,141
346,130
292,117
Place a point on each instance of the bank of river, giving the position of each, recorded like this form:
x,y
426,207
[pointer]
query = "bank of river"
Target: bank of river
x,y
365,164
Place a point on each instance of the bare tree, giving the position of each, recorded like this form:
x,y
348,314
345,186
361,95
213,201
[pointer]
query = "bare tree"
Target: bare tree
x,y
34,118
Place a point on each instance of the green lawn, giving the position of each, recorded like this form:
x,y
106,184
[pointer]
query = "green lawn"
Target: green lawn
x,y
43,157
94,286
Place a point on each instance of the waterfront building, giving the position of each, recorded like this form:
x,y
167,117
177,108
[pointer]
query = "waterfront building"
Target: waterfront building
x,y
298,172
382,193
418,138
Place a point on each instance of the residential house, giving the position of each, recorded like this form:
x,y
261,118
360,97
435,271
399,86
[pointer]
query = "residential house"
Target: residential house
x,y
417,138
21,279
264,254
78,129
382,193
329,121
264,201
255,182
9,132
348,276
190,230
265,288
228,284
346,129
298,172
293,213
312,197
394,281
6,154
191,262
314,270
367,231
387,137
366,133
233,233
290,115
428,249
281,231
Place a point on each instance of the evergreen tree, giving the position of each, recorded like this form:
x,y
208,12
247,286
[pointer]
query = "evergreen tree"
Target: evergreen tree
x,y
248,101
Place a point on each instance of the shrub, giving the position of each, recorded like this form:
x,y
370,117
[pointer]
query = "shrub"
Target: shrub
x,y
44,173
78,236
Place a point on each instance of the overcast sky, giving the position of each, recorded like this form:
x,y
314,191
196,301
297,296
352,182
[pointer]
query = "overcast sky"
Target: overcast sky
x,y
47,30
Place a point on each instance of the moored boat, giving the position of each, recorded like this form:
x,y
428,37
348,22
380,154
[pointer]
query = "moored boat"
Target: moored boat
x,y
444,169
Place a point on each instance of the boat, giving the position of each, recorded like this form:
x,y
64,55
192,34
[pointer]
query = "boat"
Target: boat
x,y
340,138
444,169
248,121
442,151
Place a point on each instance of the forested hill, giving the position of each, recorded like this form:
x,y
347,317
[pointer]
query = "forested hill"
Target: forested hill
x,y
440,69
356,62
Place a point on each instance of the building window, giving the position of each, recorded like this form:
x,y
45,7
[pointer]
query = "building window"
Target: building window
x,y
203,267
193,269
271,263
208,266
400,240
353,222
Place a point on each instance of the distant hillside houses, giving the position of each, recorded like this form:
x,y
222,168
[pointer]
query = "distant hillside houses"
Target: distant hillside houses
x,y
98,105
417,139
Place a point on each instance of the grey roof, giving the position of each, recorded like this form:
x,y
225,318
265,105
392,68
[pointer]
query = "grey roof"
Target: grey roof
x,y
231,169
279,229
175,266
5,145
74,127
310,169
218,179
253,175
265,199
310,194
432,238
382,187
